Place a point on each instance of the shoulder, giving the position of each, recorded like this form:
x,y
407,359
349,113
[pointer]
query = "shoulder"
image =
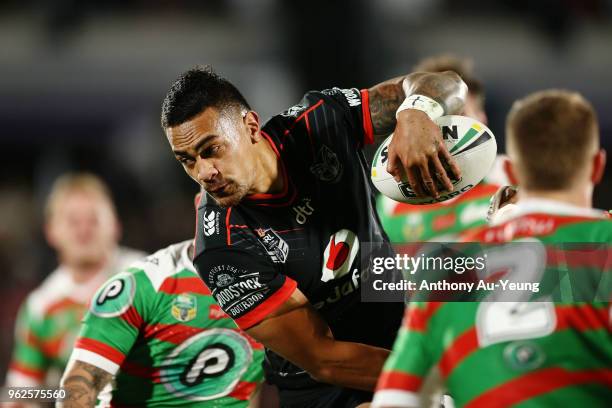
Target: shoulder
x,y
164,263
53,289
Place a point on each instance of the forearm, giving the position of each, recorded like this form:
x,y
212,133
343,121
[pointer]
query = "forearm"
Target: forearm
x,y
446,88
83,382
352,365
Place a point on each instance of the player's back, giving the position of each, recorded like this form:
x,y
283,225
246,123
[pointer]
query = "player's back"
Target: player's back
x,y
507,353
158,327
538,353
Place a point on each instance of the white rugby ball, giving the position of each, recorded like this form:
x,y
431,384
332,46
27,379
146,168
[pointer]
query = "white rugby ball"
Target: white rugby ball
x,y
471,144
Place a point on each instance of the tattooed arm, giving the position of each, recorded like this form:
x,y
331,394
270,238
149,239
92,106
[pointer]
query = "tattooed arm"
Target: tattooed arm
x,y
83,382
417,149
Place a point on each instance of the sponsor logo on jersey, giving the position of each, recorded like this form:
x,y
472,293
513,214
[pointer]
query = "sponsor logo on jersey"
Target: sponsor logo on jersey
x,y
115,296
339,255
224,279
342,290
293,111
275,246
327,167
211,222
352,96
184,307
524,355
303,210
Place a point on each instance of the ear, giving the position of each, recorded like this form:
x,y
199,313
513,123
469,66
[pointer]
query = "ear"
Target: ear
x,y
599,165
251,121
509,170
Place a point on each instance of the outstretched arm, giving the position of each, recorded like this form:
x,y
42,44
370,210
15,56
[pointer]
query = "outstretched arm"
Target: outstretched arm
x,y
417,149
83,382
299,334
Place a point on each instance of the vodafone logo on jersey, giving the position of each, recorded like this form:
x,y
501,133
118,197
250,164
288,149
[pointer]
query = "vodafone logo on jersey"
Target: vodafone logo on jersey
x,y
339,255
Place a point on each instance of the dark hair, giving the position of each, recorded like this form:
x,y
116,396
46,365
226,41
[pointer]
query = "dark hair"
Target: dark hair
x,y
194,91
464,67
551,135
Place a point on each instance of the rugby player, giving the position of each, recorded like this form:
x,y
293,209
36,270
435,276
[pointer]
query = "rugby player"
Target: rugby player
x,y
444,221
159,332
82,226
289,208
529,354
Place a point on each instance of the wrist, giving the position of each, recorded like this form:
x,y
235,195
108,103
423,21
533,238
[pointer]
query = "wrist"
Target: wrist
x,y
422,103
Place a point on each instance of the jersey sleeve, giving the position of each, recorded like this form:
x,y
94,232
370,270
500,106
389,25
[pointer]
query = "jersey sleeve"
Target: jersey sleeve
x,y
117,313
245,283
334,113
409,362
29,364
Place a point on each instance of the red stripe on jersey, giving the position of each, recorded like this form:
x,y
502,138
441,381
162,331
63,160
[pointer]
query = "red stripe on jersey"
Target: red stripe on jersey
x,y
416,319
176,286
35,373
368,130
306,112
228,226
463,345
397,380
536,383
137,370
101,349
61,305
582,317
132,317
268,306
172,333
581,258
243,390
530,225
480,191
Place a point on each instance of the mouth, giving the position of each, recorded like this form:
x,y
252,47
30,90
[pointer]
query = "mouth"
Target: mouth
x,y
218,189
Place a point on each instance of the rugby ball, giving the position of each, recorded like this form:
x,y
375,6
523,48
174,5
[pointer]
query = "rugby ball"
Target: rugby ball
x,y
471,144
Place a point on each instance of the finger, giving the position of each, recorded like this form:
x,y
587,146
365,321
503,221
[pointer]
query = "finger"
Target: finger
x,y
441,175
394,165
450,162
414,182
428,182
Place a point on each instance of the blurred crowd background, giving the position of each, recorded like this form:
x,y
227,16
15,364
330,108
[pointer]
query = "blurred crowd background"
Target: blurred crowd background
x,y
81,83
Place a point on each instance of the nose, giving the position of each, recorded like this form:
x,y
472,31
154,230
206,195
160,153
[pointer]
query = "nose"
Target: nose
x,y
206,171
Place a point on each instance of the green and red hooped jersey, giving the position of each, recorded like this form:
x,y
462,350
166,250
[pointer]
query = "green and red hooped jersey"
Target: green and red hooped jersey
x,y
501,354
435,222
49,320
157,328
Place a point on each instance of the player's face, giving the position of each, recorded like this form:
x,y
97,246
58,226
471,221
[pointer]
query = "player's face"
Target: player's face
x,y
216,150
82,228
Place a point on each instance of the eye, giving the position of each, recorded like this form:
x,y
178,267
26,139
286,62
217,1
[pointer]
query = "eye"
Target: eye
x,y
212,150
184,160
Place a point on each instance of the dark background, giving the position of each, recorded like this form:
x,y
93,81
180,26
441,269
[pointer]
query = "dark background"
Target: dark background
x,y
81,84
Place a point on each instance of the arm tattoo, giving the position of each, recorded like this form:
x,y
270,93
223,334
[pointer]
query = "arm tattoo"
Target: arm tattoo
x,y
83,384
446,88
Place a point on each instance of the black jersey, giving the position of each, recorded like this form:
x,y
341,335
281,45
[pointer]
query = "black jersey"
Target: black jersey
x,y
253,255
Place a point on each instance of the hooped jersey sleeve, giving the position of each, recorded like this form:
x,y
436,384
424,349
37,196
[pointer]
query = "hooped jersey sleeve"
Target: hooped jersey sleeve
x,y
241,267
117,313
409,362
29,364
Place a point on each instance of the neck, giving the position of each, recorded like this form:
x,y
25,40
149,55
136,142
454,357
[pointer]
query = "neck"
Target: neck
x,y
269,175
579,196
84,271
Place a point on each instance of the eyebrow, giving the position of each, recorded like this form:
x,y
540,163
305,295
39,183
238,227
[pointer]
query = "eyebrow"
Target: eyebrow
x,y
197,147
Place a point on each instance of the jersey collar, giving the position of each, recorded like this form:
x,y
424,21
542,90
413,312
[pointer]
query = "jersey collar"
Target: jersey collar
x,y
541,205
